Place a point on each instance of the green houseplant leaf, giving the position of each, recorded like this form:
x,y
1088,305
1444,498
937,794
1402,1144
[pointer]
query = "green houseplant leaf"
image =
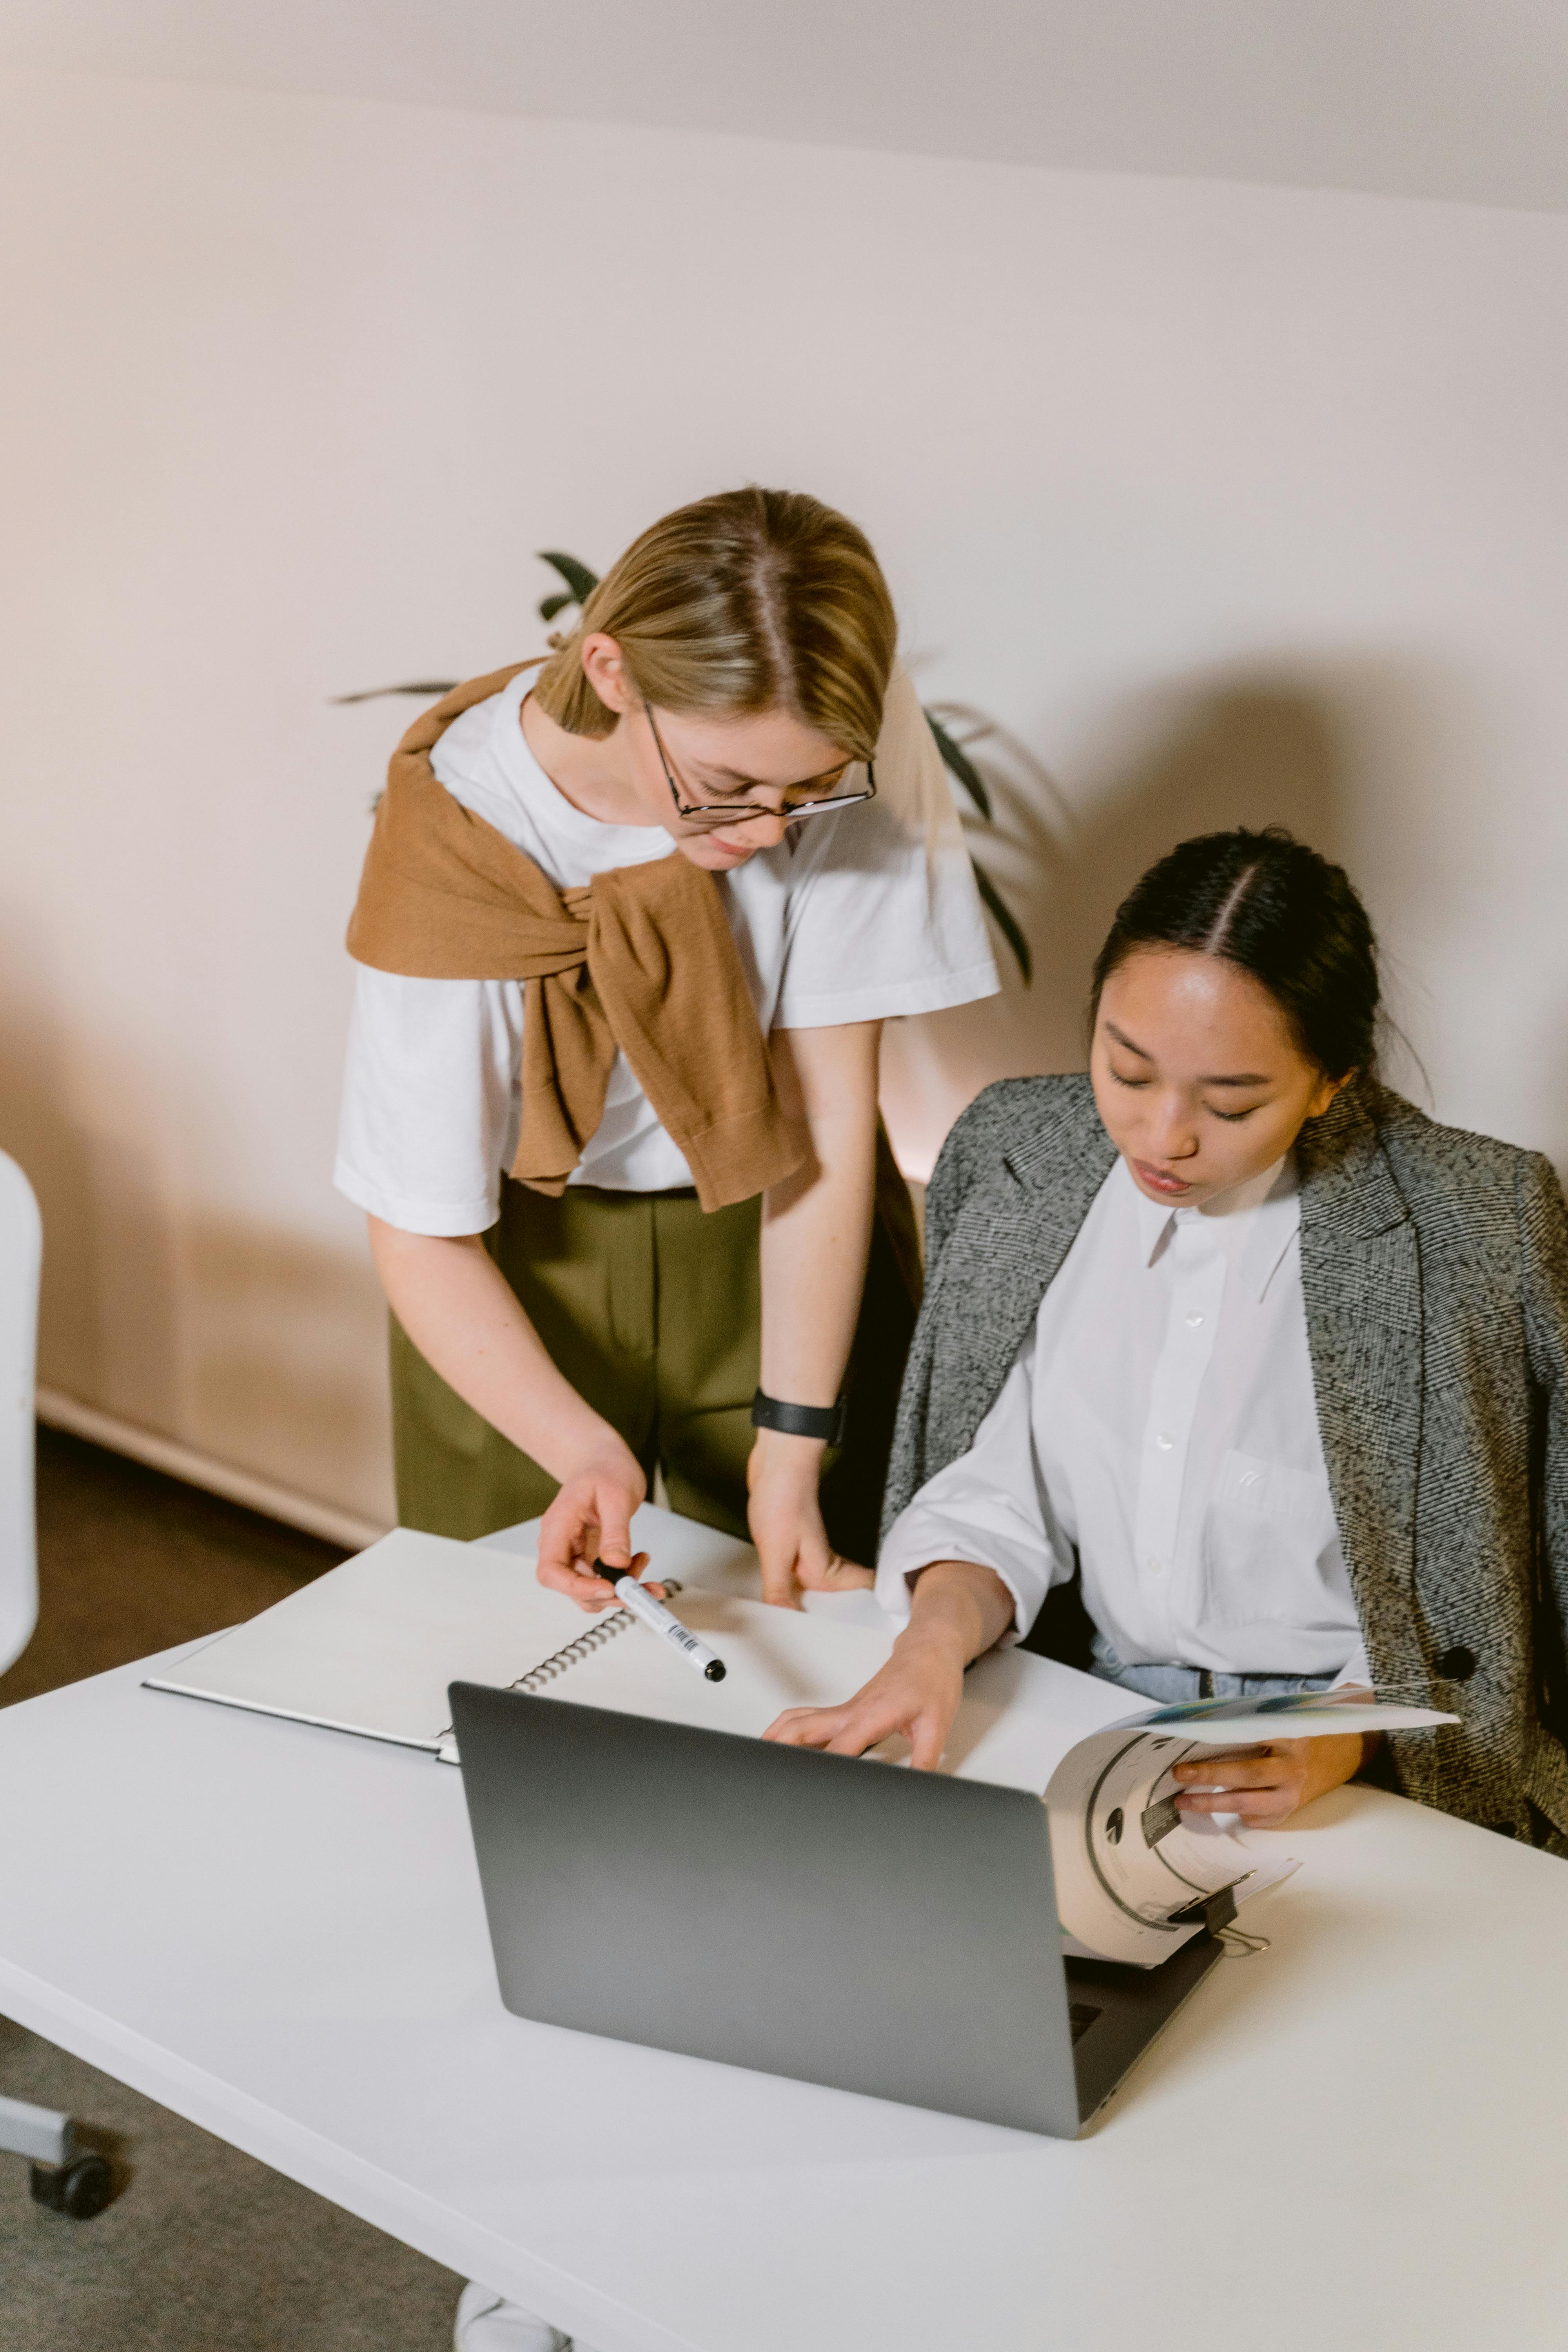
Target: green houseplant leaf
x,y
580,583
1005,920
960,764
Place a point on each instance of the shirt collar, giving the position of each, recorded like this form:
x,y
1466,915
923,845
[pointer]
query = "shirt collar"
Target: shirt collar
x,y
1254,1223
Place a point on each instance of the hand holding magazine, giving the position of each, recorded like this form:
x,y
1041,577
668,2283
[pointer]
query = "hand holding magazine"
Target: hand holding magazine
x,y
1127,1863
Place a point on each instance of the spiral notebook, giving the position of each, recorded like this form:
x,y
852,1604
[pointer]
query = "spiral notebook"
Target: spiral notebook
x,y
371,1647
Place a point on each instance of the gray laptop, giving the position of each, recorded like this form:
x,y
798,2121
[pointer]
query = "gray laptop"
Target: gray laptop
x,y
847,1923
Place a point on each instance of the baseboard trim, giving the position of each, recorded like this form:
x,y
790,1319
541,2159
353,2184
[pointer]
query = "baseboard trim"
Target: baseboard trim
x,y
59,1411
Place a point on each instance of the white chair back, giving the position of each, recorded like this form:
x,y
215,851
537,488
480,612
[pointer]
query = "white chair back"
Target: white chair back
x,y
21,1254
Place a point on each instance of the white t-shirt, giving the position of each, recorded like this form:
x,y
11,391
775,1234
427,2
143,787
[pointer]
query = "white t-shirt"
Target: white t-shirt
x,y
859,917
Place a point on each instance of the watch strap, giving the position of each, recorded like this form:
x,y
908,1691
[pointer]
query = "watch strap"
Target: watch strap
x,y
823,1420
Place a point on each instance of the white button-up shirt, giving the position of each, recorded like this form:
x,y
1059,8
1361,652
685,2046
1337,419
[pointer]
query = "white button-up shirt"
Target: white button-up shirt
x,y
1159,1428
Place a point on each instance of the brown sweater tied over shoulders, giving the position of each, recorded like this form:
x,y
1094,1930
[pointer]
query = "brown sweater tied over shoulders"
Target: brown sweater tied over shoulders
x,y
642,959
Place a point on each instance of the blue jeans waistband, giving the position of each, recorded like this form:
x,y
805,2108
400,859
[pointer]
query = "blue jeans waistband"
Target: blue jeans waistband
x,y
1171,1686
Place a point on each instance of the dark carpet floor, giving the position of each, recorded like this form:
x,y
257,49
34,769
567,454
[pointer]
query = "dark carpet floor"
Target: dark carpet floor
x,y
204,2250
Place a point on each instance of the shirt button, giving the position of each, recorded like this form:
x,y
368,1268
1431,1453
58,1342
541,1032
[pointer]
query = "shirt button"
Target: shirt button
x,y
1193,1320
1164,1441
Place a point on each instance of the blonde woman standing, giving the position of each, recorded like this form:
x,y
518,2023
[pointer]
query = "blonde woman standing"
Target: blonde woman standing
x,y
629,928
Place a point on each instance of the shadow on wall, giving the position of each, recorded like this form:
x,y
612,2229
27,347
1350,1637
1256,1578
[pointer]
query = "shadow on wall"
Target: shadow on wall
x,y
262,1347
1249,753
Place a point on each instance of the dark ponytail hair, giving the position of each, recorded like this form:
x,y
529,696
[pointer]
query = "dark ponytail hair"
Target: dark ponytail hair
x,y
1273,906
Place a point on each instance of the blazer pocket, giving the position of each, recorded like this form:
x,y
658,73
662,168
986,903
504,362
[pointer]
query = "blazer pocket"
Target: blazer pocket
x,y
1264,1534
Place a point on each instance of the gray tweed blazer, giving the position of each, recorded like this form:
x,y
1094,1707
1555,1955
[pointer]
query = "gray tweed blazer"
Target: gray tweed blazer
x,y
1435,1270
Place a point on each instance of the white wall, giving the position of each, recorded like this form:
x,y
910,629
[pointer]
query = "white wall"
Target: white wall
x,y
1219,502
1463,99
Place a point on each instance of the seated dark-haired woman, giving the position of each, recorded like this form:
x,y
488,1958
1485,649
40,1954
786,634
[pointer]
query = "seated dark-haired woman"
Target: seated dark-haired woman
x,y
1271,1361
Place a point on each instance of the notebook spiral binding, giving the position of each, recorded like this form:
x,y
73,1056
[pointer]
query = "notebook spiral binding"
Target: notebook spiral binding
x,y
597,1635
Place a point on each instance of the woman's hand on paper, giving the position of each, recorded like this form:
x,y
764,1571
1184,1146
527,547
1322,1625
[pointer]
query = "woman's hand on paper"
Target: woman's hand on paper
x,y
958,1609
1265,1786
785,1519
917,1693
590,1522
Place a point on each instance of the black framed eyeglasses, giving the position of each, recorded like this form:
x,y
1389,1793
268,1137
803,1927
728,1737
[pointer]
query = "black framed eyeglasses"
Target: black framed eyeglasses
x,y
738,812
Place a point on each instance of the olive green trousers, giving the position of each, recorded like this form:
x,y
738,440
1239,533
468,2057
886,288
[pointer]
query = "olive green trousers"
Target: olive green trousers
x,y
653,1311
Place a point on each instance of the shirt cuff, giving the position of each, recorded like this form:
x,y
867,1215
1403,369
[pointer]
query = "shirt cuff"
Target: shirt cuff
x,y
448,1220
923,1534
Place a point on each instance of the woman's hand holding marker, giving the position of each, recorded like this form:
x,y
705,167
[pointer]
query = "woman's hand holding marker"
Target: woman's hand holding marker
x,y
588,1523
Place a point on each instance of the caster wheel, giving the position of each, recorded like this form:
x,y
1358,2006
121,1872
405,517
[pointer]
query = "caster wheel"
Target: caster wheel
x,y
81,2189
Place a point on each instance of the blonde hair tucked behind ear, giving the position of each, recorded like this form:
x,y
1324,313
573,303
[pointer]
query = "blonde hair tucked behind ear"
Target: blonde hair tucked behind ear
x,y
754,600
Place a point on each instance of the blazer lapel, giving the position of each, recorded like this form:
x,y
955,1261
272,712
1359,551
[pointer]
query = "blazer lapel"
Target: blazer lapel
x,y
1361,1280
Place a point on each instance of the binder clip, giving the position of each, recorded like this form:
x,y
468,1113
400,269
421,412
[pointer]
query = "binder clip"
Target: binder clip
x,y
1215,1914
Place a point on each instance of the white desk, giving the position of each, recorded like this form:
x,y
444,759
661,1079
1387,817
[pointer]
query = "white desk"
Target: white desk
x,y
1358,2139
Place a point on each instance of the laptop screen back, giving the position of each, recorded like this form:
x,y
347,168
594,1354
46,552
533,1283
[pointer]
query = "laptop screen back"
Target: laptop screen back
x,y
846,1922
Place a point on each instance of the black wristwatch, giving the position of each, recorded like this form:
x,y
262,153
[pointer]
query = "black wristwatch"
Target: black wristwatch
x,y
823,1421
